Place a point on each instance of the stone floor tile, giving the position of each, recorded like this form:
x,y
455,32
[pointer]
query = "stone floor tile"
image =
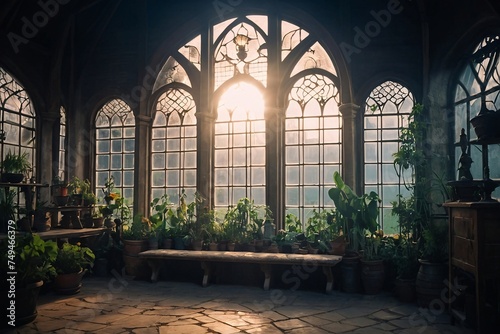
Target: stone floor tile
x,y
331,316
315,320
149,330
182,329
307,330
385,315
291,324
221,328
293,311
338,328
230,319
355,311
360,322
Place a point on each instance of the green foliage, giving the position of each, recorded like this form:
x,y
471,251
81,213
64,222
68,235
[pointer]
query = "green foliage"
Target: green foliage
x,y
242,222
16,163
7,205
435,245
139,229
159,218
360,213
409,155
32,257
72,258
79,186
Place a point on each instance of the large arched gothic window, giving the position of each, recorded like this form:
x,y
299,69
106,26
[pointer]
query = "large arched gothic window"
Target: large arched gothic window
x,y
17,122
173,157
115,147
478,86
271,124
387,109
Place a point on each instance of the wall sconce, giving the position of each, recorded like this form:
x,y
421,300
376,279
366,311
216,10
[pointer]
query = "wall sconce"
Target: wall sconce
x,y
241,40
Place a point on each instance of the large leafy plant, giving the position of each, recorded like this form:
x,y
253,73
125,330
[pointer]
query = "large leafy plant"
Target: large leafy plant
x,y
72,258
360,213
30,257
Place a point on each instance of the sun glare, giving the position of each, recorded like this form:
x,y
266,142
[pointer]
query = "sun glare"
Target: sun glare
x,y
241,101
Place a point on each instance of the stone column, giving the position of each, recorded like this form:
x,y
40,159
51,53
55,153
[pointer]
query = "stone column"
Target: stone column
x,y
47,137
142,159
351,146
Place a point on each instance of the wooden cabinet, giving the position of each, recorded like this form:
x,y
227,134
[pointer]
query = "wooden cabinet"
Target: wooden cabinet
x,y
474,267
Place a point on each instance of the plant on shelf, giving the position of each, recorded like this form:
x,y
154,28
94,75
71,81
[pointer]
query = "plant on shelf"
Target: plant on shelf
x,y
15,167
320,229
213,228
244,222
32,259
78,188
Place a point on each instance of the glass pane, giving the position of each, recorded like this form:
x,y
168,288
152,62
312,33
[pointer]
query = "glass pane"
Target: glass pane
x,y
158,146
258,176
239,176
159,161
292,196
173,178
190,160
311,154
190,178
102,162
221,158
103,147
116,146
128,161
292,175
292,155
158,178
128,179
311,196
172,160
311,175
116,161
221,177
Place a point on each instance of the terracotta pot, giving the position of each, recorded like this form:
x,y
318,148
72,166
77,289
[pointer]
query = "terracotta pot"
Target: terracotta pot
x,y
405,290
430,282
372,276
213,246
134,247
68,284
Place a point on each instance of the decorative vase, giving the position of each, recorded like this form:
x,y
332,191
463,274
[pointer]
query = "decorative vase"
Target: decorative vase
x,y
372,276
68,284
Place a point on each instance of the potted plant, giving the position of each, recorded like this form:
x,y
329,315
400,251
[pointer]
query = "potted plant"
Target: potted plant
x,y
433,263
372,264
32,259
213,229
76,188
134,237
359,215
72,262
15,167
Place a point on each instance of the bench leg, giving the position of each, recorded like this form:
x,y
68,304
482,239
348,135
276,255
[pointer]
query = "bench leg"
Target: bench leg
x,y
207,270
266,268
155,269
329,278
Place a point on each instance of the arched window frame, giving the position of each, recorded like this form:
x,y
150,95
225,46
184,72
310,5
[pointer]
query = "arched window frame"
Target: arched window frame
x,y
114,126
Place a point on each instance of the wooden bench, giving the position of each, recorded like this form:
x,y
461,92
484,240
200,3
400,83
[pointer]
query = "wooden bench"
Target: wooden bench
x,y
265,260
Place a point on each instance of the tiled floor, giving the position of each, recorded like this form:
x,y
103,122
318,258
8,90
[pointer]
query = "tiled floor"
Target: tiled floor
x,y
122,305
